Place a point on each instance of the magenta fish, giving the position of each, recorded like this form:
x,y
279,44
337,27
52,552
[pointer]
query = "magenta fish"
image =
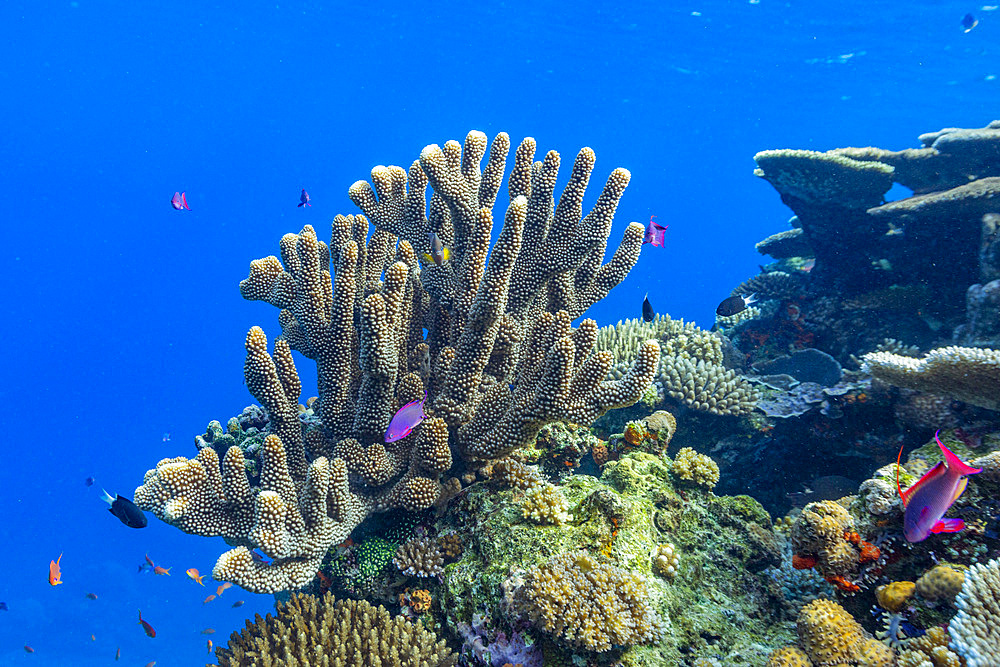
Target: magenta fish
x,y
303,199
932,495
654,233
179,201
406,419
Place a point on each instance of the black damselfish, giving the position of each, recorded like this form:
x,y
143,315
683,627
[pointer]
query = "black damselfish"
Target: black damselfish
x,y
126,511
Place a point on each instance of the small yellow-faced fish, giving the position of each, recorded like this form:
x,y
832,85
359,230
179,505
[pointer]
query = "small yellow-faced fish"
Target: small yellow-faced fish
x,y
194,575
439,252
209,645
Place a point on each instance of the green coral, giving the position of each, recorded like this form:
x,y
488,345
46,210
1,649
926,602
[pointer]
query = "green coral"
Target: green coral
x,y
621,519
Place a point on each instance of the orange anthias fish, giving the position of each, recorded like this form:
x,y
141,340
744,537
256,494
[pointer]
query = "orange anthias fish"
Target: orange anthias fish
x,y
209,645
150,561
55,574
147,628
118,654
28,649
223,587
193,573
927,501
208,631
208,599
304,199
162,570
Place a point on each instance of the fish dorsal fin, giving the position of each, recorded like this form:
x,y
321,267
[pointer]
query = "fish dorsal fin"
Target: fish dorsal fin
x,y
936,471
959,488
955,463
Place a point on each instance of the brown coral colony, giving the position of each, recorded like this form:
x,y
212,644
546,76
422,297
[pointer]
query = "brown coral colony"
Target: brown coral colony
x,y
490,342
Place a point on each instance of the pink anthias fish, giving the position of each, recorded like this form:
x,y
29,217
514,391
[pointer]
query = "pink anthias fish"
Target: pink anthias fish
x,y
654,233
406,419
932,495
303,199
179,201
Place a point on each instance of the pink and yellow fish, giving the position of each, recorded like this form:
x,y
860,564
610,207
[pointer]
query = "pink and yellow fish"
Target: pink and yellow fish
x,y
927,501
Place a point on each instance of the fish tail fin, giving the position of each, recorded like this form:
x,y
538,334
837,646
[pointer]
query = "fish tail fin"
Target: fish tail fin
x,y
955,463
898,487
107,497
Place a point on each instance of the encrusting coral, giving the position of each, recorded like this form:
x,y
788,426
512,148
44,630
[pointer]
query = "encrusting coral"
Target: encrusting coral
x,y
829,636
308,630
499,360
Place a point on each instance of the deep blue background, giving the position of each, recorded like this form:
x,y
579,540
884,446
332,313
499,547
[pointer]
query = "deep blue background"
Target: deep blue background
x,y
122,317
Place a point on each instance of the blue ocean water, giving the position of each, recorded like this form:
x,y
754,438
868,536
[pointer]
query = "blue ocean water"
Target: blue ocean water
x,y
123,322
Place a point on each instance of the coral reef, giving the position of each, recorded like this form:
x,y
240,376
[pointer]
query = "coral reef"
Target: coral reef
x,y
589,604
696,468
964,373
974,632
499,359
308,630
828,635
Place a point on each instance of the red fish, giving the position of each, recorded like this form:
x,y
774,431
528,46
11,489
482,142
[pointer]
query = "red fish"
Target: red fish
x,y
927,501
179,201
55,573
303,199
147,628
654,233
161,570
150,561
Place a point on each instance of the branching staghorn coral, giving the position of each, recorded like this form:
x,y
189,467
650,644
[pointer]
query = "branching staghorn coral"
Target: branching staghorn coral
x,y
499,360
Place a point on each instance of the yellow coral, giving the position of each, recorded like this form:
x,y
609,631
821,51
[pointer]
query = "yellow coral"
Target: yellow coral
x,y
666,560
893,597
691,466
789,656
588,604
819,532
544,504
930,650
940,583
831,636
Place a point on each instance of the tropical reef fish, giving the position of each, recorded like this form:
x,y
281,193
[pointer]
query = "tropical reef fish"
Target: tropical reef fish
x,y
969,22
735,304
179,201
647,309
209,645
654,233
439,252
151,664
222,587
55,573
146,627
144,568
303,199
118,653
93,637
208,631
91,596
261,557
406,419
161,570
194,575
149,561
125,510
238,604
208,599
28,649
3,606
89,481
932,495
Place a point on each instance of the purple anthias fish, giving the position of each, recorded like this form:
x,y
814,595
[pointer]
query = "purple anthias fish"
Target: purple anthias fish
x,y
304,199
406,419
932,495
654,233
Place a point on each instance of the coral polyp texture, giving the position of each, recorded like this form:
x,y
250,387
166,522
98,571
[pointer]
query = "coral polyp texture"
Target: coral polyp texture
x,y
828,635
974,632
588,604
308,630
489,343
967,374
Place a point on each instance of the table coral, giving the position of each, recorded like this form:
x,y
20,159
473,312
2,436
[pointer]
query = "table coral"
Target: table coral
x,y
487,337
967,374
